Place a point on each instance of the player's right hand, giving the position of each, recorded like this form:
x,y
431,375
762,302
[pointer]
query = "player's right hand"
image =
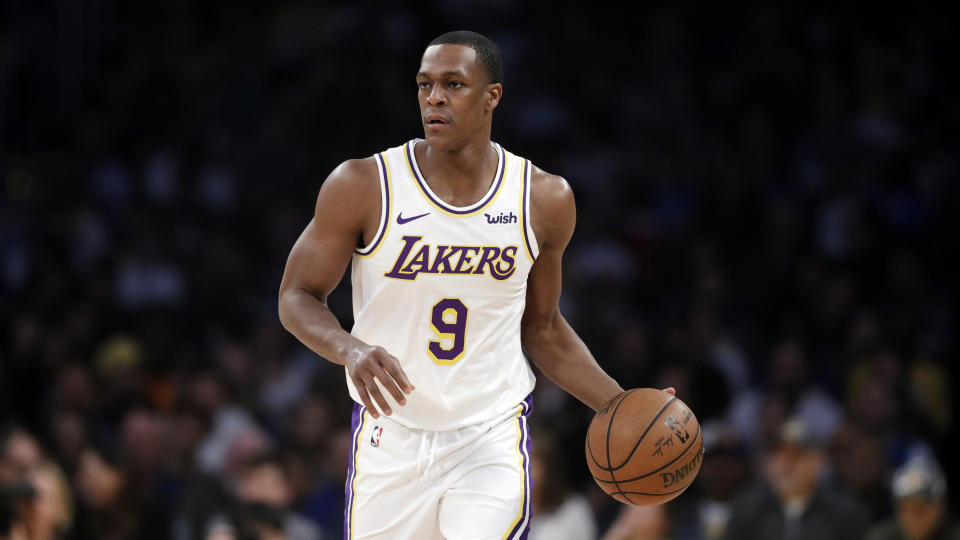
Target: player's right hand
x,y
368,364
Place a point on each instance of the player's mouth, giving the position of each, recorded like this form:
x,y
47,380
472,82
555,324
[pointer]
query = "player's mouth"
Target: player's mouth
x,y
435,121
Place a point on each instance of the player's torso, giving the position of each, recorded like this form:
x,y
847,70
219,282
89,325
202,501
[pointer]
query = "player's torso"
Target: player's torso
x,y
443,289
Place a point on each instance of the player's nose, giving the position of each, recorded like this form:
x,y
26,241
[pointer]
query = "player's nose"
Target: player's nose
x,y
435,97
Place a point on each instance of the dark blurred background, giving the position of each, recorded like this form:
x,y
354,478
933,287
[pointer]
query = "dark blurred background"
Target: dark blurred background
x,y
767,209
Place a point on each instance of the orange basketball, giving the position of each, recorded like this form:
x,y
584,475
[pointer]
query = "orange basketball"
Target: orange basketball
x,y
645,448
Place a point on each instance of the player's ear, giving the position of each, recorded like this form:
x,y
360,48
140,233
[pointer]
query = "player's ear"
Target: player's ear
x,y
494,91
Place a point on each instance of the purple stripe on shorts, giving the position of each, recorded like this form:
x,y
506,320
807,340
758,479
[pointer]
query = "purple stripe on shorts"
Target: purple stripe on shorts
x,y
355,423
522,528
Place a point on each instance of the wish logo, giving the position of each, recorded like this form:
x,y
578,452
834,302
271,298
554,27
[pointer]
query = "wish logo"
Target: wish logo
x,y
375,436
502,218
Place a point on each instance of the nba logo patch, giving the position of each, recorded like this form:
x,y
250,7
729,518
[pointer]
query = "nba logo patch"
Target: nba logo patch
x,y
375,436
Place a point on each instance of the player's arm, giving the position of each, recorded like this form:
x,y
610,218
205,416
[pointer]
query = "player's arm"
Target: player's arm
x,y
547,337
347,213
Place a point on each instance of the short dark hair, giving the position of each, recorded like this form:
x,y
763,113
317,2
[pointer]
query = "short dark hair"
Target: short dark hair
x,y
488,54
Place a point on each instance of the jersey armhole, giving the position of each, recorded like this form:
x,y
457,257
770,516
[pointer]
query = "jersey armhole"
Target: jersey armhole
x,y
529,239
384,176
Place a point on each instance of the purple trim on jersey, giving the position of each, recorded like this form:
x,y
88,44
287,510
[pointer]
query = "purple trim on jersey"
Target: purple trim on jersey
x,y
386,217
355,426
522,528
524,204
502,166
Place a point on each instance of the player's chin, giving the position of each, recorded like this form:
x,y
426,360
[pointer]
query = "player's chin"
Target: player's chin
x,y
439,138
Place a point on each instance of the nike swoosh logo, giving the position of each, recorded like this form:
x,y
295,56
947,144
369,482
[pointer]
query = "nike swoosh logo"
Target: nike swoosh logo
x,y
401,220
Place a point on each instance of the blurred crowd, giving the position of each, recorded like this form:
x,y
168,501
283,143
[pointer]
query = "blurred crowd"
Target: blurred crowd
x,y
765,199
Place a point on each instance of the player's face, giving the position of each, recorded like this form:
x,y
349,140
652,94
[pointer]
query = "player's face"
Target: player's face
x,y
456,98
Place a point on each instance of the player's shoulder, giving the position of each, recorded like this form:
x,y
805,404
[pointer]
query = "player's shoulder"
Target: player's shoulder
x,y
353,175
355,172
548,190
353,183
363,172
552,208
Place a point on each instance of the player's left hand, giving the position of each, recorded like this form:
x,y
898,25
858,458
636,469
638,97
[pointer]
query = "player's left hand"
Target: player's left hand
x,y
367,364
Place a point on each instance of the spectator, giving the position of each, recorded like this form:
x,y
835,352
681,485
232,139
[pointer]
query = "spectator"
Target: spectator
x,y
35,501
558,513
919,490
704,510
264,494
318,486
640,522
110,509
793,502
791,388
15,500
49,515
858,464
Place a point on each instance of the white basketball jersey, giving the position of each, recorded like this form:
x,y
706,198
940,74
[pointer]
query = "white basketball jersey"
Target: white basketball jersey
x,y
443,288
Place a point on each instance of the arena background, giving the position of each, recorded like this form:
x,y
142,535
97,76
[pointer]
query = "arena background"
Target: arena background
x,y
767,217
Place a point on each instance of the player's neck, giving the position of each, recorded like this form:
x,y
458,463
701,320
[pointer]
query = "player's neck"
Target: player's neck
x,y
464,172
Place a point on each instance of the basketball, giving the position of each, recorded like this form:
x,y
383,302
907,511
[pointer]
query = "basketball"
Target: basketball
x,y
644,448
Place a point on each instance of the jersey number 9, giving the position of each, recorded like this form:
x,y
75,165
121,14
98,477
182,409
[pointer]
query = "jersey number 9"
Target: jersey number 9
x,y
448,321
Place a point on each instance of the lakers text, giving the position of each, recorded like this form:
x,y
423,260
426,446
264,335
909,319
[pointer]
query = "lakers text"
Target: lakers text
x,y
417,258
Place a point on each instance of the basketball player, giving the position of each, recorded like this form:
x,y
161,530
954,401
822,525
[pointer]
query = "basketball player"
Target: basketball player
x,y
455,245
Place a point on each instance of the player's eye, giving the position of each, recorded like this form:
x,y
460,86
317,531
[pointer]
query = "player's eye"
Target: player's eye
x,y
455,84
423,85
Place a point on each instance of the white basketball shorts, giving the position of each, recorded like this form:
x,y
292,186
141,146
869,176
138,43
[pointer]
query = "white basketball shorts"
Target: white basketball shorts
x,y
471,483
